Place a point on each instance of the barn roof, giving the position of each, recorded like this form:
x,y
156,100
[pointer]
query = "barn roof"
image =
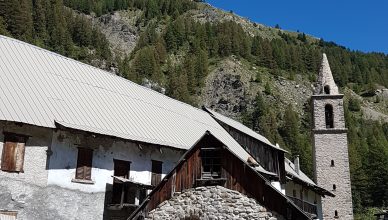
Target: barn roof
x,y
42,88
242,128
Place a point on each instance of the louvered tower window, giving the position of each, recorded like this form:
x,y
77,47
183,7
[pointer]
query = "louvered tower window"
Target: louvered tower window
x,y
329,116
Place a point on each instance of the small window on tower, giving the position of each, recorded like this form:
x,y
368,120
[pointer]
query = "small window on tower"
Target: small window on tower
x,y
334,187
335,214
326,89
329,116
332,163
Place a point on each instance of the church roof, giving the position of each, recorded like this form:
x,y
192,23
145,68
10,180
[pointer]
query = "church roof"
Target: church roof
x,y
42,88
325,78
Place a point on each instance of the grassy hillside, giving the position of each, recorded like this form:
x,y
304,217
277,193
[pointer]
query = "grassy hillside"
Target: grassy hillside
x,y
259,75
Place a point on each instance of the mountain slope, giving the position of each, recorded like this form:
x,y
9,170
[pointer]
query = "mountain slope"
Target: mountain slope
x,y
259,75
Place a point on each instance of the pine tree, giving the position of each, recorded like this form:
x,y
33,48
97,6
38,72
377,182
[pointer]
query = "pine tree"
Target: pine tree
x,y
39,15
201,67
19,18
267,89
3,28
259,110
145,65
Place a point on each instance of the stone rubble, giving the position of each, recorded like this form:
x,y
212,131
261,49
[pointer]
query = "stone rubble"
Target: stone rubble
x,y
211,203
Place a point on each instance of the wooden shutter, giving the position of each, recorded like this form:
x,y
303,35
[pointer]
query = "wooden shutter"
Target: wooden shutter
x,y
8,157
13,154
156,176
84,164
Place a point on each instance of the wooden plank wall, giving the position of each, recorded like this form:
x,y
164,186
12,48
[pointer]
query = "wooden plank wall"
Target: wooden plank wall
x,y
271,159
239,177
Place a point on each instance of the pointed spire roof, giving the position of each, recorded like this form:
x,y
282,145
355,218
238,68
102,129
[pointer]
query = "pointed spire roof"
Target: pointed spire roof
x,y
325,83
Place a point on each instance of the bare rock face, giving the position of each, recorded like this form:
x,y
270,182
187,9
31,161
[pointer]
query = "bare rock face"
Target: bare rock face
x,y
213,202
121,29
207,13
226,89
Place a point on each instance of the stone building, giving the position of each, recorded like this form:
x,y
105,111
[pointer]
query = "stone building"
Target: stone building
x,y
77,142
206,164
331,159
285,176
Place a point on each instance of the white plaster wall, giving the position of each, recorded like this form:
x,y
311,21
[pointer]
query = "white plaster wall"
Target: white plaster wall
x,y
35,156
63,160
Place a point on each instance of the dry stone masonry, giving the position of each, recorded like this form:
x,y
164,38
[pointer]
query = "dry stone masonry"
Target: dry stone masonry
x,y
211,203
331,159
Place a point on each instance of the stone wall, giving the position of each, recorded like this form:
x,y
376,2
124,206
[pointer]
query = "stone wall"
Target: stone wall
x,y
319,112
213,203
35,202
35,156
329,147
330,144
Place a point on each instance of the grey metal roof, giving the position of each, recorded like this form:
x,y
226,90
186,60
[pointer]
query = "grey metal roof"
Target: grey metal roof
x,y
290,169
43,88
244,129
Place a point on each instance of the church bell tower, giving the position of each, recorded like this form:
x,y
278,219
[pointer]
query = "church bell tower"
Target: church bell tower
x,y
330,146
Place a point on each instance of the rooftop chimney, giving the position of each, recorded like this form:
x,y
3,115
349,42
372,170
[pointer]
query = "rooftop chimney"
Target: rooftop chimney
x,y
296,164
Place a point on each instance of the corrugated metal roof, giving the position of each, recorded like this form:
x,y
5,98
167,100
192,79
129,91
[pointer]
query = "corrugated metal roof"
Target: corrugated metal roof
x,y
290,169
40,87
244,129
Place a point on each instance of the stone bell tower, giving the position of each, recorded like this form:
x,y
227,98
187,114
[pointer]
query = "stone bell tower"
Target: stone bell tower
x,y
331,159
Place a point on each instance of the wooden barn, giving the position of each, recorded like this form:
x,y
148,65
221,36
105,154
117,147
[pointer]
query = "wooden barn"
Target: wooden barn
x,y
269,156
209,162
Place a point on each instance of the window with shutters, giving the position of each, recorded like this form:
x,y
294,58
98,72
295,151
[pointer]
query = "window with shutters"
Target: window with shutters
x,y
156,172
12,157
84,164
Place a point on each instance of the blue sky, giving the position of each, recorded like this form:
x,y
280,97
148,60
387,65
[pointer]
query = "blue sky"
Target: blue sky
x,y
358,24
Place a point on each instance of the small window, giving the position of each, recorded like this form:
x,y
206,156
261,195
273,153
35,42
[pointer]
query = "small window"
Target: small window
x,y
326,89
294,193
329,117
301,194
334,187
211,163
84,164
332,163
12,157
120,193
121,168
156,172
335,214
